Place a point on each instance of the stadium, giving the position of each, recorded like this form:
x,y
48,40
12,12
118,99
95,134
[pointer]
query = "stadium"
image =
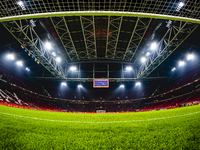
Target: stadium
x,y
99,74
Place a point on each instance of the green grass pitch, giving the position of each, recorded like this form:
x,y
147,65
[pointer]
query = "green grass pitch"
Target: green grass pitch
x,y
167,129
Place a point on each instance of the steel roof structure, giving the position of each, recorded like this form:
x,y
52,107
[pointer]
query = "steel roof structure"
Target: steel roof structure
x,y
101,31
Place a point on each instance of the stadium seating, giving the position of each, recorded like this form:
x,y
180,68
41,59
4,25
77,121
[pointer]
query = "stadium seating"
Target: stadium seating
x,y
22,98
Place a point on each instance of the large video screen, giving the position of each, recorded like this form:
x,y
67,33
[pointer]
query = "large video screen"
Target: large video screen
x,y
100,83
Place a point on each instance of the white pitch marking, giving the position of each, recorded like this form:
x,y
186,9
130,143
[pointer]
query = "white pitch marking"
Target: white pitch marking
x,y
99,122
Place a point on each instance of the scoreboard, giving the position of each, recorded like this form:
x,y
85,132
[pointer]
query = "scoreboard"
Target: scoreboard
x,y
100,83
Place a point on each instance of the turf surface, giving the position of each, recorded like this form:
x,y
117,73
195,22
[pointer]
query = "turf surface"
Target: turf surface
x,y
167,129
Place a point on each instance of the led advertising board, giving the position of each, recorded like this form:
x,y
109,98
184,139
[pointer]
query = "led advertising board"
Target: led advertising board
x,y
100,83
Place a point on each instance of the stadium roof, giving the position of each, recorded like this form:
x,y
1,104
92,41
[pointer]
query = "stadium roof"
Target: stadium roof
x,y
41,8
100,32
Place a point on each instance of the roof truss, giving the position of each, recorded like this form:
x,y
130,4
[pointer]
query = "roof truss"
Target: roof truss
x,y
62,30
88,29
138,33
173,38
114,27
27,36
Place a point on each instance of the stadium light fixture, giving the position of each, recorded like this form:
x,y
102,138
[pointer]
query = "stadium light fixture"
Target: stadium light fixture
x,y
181,63
48,45
147,54
21,4
80,86
54,54
32,22
72,68
27,69
190,57
19,63
129,68
58,59
137,83
179,6
11,56
64,84
173,69
169,22
153,46
122,86
143,59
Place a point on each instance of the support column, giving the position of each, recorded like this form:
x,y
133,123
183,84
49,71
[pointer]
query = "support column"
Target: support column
x,y
93,70
108,71
122,75
79,71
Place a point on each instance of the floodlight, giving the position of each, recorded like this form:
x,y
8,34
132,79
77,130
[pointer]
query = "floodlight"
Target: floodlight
x,y
122,86
27,69
153,46
32,22
143,59
64,84
54,54
181,63
72,68
21,4
190,57
19,63
58,59
128,68
11,56
80,86
137,83
179,6
147,54
48,45
169,22
173,69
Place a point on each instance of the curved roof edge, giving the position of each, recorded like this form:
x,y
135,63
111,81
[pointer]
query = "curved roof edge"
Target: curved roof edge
x,y
100,13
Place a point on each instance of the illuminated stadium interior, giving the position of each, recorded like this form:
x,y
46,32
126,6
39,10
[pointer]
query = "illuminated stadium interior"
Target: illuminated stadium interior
x,y
99,74
56,49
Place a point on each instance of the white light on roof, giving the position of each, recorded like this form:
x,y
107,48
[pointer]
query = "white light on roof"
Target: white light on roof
x,y
11,56
32,22
80,86
27,69
143,59
72,68
48,45
190,57
181,63
180,5
147,54
19,63
64,84
137,83
21,4
58,59
173,69
54,54
153,46
122,86
128,68
169,22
